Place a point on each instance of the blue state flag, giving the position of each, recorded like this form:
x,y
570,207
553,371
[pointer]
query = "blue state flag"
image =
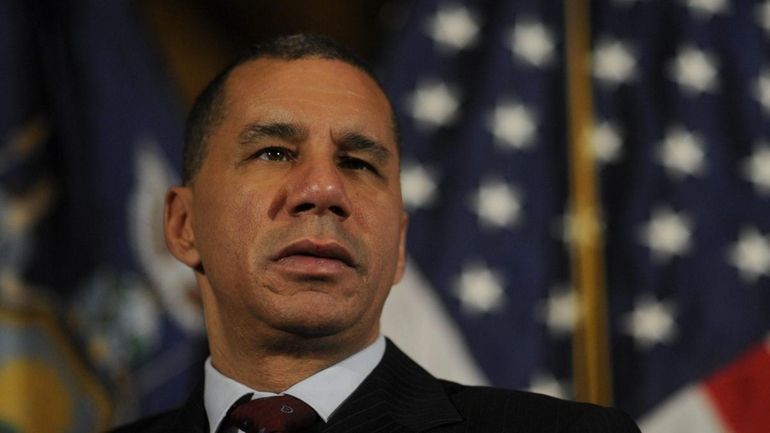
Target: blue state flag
x,y
96,315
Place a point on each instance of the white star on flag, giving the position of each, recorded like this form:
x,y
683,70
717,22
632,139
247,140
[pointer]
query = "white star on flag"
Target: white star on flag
x,y
512,124
762,90
547,384
667,234
434,104
756,169
694,70
497,204
613,62
751,255
453,27
681,153
651,322
532,42
418,185
762,14
607,142
707,8
560,311
479,289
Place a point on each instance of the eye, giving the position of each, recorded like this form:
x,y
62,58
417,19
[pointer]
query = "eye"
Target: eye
x,y
280,154
351,163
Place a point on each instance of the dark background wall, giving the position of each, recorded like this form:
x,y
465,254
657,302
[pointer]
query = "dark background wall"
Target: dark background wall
x,y
198,37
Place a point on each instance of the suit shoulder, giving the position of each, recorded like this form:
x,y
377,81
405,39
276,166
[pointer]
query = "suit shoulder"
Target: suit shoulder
x,y
162,422
535,412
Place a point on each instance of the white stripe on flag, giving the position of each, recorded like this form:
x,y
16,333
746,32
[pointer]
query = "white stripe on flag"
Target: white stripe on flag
x,y
417,322
688,411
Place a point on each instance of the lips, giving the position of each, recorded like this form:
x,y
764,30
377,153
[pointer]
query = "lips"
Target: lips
x,y
319,250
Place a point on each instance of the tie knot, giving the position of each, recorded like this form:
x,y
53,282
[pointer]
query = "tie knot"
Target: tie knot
x,y
280,414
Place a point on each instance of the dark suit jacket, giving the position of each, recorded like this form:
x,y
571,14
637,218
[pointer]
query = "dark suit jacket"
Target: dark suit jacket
x,y
399,396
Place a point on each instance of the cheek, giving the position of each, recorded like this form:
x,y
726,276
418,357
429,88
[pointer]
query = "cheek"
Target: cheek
x,y
381,222
229,225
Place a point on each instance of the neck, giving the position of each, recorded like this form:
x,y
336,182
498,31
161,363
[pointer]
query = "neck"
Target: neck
x,y
277,365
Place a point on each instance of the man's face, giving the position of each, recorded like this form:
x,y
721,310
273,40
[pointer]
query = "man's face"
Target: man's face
x,y
295,216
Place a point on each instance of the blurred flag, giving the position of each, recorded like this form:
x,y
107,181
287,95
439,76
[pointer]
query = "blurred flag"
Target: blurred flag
x,y
97,322
681,145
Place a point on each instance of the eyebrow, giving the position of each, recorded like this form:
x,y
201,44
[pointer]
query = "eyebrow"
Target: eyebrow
x,y
282,130
353,141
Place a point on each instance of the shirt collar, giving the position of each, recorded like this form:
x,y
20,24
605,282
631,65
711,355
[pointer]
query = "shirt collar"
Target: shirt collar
x,y
324,391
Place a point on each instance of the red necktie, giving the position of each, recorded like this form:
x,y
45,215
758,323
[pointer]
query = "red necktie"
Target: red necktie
x,y
280,414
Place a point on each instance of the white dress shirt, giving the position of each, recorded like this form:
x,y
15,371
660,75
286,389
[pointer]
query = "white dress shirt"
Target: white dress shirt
x,y
324,391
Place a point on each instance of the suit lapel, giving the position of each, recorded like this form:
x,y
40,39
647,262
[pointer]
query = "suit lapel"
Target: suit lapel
x,y
192,418
398,396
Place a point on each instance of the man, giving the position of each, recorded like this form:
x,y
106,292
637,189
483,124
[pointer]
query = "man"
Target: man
x,y
291,217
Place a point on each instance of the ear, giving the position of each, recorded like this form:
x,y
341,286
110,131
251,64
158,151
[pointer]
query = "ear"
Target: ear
x,y
177,226
401,264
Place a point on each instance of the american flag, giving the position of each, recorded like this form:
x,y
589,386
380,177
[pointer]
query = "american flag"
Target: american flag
x,y
681,144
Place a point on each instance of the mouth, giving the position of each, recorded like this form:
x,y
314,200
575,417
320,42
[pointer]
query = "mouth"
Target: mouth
x,y
315,252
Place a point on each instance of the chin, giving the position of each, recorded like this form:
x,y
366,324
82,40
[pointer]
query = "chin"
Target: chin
x,y
320,334
313,330
316,321
305,338
314,314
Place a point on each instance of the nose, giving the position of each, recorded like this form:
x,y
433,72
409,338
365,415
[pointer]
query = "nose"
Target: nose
x,y
317,188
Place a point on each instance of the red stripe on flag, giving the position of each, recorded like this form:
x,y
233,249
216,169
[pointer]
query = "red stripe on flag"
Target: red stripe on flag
x,y
741,392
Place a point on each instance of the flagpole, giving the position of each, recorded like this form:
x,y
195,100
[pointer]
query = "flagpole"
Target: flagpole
x,y
591,358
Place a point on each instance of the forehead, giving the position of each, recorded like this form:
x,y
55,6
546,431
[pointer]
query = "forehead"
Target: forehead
x,y
309,89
